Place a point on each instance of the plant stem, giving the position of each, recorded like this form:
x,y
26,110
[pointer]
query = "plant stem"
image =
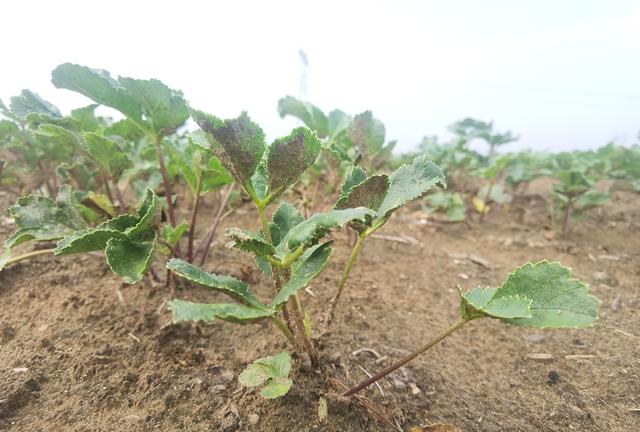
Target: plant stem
x,y
297,316
208,238
408,358
292,307
165,180
343,280
27,255
194,218
123,207
566,218
285,330
107,188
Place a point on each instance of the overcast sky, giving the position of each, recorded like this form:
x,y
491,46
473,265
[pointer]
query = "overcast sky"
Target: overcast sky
x,y
562,74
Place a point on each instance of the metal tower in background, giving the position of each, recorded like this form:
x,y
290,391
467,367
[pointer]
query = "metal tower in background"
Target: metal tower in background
x,y
303,90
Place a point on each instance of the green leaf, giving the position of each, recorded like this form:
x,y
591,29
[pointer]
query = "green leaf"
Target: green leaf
x,y
40,218
370,193
242,143
482,303
164,109
270,372
58,142
4,258
367,134
317,226
148,214
107,154
555,299
308,113
172,235
231,286
128,258
29,102
305,269
410,182
187,311
255,375
354,177
289,157
276,387
249,242
280,364
86,118
99,203
284,218
97,85
94,239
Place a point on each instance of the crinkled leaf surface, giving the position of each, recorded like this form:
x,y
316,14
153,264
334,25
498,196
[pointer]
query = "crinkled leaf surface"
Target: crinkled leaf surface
x,y
317,226
187,311
97,85
148,216
107,154
307,267
410,182
29,102
231,286
482,302
367,134
128,258
290,156
256,374
270,372
276,387
284,218
94,239
249,242
355,176
58,141
164,109
41,218
241,139
556,300
370,193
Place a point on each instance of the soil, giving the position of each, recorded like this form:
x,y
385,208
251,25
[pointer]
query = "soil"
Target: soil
x,y
80,351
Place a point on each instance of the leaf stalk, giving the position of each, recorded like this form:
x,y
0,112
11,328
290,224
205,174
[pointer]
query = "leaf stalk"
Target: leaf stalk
x,y
408,358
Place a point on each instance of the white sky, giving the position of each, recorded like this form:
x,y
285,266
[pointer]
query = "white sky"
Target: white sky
x,y
562,74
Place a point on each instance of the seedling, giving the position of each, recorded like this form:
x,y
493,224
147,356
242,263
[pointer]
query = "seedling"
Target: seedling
x,y
451,203
383,194
359,140
270,373
290,249
574,194
541,295
128,241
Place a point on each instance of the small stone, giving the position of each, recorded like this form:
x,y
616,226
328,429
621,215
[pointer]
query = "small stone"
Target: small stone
x,y
534,337
253,419
463,276
553,376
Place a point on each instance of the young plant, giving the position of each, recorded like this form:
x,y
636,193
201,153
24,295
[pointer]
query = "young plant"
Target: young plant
x,y
128,241
383,194
149,106
541,295
289,249
270,373
451,203
573,194
356,140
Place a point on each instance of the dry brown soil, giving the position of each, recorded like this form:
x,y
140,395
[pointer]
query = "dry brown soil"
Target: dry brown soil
x,y
80,351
